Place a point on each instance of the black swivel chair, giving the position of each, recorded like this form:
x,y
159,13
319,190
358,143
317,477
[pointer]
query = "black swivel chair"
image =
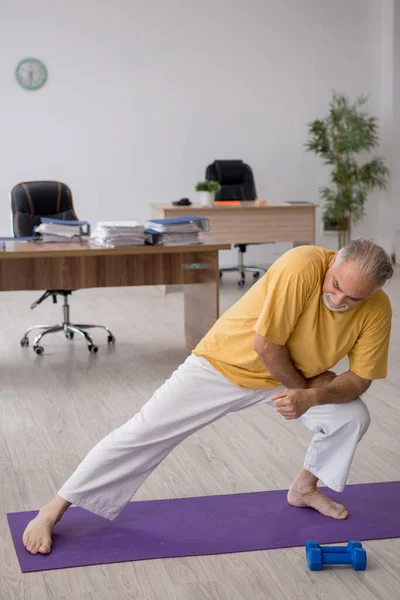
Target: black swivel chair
x,y
237,183
30,201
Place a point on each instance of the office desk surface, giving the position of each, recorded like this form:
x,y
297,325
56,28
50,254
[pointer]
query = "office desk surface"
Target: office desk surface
x,y
248,222
248,205
43,249
71,266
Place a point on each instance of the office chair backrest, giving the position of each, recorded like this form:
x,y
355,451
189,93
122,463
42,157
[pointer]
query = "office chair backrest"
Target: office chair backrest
x,y
236,179
35,199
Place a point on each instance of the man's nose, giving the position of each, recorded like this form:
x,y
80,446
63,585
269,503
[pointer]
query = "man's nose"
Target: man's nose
x,y
339,299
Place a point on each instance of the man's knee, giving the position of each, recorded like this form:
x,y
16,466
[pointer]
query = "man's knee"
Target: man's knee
x,y
356,414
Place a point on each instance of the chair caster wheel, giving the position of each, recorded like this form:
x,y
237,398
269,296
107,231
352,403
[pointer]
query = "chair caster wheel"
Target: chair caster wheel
x,y
111,339
70,335
256,275
93,349
38,349
24,342
241,282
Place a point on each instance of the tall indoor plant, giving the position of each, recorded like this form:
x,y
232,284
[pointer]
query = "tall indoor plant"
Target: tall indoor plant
x,y
339,139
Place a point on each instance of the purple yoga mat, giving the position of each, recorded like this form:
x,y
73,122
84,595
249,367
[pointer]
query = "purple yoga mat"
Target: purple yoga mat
x,y
210,525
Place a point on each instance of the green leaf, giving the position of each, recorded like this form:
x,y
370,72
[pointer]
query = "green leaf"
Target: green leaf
x,y
208,185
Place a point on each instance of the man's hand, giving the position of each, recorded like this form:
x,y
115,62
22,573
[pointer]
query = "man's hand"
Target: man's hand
x,y
291,404
321,379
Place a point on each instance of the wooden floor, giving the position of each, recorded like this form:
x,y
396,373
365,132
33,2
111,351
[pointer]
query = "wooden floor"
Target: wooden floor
x,y
54,408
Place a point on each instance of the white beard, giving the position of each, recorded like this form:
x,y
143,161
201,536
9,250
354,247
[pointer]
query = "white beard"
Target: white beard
x,y
326,297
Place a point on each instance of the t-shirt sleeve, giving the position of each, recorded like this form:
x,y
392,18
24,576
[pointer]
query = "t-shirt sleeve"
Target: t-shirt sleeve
x,y
288,290
369,356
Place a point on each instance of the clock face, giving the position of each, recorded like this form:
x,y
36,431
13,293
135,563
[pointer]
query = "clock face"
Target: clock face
x,y
31,73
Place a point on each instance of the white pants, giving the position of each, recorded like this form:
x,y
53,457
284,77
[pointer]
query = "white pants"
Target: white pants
x,y
194,396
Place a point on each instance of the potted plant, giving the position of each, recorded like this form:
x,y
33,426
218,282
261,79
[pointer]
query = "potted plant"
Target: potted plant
x,y
206,191
339,139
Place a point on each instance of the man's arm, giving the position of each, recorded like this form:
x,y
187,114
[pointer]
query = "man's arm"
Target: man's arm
x,y
344,388
277,360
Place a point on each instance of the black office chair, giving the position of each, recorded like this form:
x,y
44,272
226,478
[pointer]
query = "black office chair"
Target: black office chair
x,y
29,202
237,183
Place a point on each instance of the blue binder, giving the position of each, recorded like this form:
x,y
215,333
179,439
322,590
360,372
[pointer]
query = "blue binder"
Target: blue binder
x,y
202,222
83,224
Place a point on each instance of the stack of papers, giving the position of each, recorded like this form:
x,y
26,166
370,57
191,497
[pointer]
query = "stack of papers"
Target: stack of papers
x,y
114,234
55,230
177,231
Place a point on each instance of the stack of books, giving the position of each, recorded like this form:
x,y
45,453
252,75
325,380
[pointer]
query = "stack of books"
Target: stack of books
x,y
56,230
178,231
115,234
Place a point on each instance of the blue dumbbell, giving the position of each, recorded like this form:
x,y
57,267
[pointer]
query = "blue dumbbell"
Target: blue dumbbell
x,y
352,554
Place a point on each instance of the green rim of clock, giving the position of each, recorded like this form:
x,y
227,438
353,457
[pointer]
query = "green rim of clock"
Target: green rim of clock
x,y
43,72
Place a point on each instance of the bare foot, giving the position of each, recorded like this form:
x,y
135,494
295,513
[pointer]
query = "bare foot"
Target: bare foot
x,y
37,535
313,498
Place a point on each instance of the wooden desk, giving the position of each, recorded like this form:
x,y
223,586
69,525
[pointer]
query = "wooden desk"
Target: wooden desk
x,y
248,222
41,266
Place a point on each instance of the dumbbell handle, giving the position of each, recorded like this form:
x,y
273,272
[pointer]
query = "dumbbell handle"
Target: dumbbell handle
x,y
334,549
336,558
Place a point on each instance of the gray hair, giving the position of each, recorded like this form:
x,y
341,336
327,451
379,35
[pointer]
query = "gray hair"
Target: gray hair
x,y
373,260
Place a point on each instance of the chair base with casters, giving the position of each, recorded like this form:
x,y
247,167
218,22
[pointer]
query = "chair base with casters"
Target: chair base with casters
x,y
66,326
242,268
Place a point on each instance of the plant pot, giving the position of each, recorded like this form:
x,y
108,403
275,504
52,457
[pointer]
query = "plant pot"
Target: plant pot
x,y
206,198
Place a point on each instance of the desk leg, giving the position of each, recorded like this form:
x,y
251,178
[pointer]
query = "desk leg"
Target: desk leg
x,y
201,295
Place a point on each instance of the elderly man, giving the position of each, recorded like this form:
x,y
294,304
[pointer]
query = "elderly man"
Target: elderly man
x,y
275,346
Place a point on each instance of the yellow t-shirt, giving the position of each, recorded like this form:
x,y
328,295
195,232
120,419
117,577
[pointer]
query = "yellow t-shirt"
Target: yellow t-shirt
x,y
286,307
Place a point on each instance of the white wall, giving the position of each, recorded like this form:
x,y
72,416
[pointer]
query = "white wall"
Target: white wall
x,y
381,206
395,189
141,96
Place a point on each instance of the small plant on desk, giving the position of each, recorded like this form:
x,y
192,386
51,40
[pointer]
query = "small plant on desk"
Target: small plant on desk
x,y
206,191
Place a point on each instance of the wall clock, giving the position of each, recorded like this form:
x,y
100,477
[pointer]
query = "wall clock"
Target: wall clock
x,y
31,73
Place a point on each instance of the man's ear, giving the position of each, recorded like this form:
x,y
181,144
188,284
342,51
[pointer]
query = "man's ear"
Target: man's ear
x,y
331,262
